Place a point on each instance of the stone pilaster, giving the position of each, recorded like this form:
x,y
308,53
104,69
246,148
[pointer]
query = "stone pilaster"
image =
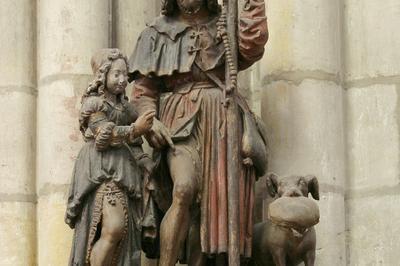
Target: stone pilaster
x,y
302,104
18,126
372,100
69,32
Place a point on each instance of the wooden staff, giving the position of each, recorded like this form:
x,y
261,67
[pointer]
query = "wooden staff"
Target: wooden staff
x,y
232,122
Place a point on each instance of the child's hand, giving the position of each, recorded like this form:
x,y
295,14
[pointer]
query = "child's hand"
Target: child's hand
x,y
144,123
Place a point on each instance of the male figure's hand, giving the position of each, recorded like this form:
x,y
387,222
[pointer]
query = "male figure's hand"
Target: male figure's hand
x,y
147,164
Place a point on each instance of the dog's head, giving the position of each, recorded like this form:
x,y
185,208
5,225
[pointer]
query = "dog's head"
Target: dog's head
x,y
292,186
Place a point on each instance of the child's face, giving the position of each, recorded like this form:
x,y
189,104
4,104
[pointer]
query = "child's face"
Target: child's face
x,y
117,77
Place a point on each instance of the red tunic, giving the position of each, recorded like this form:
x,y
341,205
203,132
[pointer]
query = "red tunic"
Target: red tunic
x,y
172,56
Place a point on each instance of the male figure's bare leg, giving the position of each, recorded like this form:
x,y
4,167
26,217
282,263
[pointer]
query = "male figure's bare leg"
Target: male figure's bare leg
x,y
175,224
196,258
309,259
221,260
113,223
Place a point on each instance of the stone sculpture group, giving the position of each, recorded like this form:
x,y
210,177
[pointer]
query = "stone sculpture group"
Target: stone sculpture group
x,y
192,201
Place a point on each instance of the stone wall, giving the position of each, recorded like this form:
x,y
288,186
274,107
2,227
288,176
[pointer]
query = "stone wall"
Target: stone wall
x,y
372,82
327,88
303,106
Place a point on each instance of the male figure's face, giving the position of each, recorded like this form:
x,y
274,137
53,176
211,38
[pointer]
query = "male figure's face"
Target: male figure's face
x,y
190,7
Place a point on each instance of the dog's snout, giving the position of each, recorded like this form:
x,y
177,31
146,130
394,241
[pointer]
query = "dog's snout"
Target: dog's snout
x,y
292,193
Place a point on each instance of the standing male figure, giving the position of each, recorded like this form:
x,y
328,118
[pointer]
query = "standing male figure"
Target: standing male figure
x,y
182,52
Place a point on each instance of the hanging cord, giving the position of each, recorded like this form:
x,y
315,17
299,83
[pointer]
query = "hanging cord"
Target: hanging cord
x,y
222,33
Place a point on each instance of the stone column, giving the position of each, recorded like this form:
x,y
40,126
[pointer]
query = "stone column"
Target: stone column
x,y
18,126
373,106
69,32
302,105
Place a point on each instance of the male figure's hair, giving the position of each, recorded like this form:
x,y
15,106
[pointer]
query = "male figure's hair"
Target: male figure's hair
x,y
169,7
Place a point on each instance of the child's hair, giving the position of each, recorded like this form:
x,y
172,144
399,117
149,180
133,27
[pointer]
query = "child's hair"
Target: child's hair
x,y
101,63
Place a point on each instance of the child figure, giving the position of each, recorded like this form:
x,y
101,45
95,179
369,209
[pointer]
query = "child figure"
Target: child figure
x,y
104,203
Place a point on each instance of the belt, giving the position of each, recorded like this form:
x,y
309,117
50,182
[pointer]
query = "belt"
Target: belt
x,y
203,85
185,88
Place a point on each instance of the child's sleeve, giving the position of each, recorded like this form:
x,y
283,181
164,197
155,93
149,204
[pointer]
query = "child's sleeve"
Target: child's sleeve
x,y
105,132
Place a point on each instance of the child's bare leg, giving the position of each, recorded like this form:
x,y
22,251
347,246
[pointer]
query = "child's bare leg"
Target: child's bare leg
x,y
112,230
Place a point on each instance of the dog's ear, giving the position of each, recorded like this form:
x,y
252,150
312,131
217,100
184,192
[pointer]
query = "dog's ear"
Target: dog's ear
x,y
272,184
313,186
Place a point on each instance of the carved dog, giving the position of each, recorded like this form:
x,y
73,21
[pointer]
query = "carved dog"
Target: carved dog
x,y
274,244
